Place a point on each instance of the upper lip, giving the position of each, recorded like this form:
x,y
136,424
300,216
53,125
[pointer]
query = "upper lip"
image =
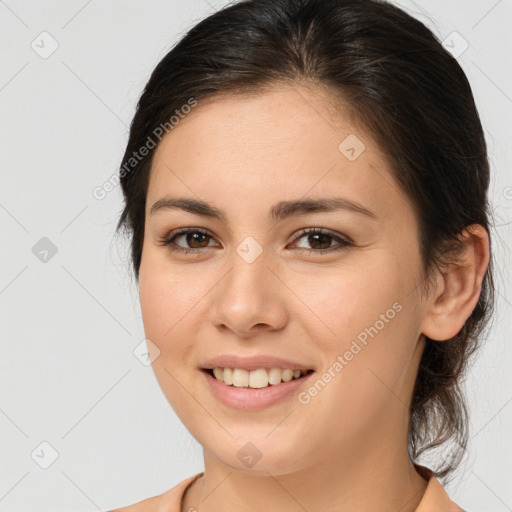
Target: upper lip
x,y
252,362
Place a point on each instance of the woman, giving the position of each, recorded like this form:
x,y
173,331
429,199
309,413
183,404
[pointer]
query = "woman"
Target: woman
x,y
306,195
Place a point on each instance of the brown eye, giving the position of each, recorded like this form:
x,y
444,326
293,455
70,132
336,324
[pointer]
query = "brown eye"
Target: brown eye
x,y
194,239
320,240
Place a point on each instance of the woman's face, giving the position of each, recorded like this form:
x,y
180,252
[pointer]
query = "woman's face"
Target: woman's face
x,y
254,285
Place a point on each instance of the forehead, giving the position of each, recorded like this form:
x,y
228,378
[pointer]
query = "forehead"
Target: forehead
x,y
280,116
289,141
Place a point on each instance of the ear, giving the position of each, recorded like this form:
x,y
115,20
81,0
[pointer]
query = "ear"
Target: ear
x,y
458,288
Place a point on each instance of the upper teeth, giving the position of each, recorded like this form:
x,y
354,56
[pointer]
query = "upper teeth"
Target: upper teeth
x,y
259,378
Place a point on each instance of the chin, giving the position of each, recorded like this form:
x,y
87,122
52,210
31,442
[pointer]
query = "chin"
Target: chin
x,y
258,457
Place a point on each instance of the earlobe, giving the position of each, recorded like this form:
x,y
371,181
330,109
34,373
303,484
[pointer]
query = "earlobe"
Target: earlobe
x,y
459,287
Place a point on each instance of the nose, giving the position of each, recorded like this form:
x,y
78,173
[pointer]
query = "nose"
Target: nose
x,y
250,298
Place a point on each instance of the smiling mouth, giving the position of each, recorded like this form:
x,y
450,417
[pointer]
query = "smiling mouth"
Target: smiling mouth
x,y
255,379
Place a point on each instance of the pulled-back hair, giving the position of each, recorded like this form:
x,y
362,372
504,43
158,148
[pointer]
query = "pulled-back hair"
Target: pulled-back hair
x,y
408,92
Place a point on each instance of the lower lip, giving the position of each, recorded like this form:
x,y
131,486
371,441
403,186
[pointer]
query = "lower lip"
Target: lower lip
x,y
251,399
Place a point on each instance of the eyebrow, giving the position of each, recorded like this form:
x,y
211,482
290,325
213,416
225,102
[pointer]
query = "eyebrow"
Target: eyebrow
x,y
278,212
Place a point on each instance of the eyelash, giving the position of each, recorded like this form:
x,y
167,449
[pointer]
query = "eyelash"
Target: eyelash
x,y
169,240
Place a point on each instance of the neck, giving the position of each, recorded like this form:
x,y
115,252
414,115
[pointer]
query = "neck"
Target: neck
x,y
384,481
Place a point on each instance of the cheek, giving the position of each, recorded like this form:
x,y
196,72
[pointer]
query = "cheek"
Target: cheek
x,y
168,305
168,312
347,300
167,296
365,327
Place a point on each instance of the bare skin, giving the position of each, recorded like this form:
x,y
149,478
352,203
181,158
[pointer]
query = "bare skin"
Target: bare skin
x,y
345,450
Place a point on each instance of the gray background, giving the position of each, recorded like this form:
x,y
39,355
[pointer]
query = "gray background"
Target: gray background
x,y
70,324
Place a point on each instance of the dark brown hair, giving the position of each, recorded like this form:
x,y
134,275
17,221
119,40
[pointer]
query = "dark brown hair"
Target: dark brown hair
x,y
411,95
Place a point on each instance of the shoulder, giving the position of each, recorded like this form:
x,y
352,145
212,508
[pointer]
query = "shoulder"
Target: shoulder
x,y
169,501
435,496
